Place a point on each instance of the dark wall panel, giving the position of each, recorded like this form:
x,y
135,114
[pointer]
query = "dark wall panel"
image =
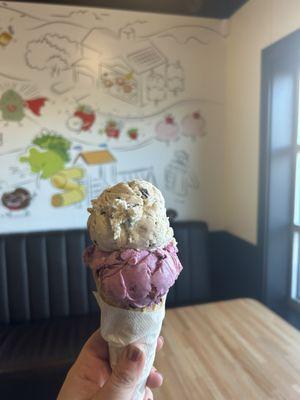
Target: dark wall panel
x,y
194,283
236,270
201,282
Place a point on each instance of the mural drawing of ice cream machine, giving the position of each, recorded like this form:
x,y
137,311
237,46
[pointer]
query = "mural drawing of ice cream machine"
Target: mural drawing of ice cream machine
x,y
127,77
126,74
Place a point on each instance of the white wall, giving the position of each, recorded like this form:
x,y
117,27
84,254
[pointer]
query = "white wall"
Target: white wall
x,y
255,26
57,55
226,159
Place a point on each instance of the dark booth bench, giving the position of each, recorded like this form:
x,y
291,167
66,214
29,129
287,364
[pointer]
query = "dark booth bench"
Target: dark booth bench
x,y
47,309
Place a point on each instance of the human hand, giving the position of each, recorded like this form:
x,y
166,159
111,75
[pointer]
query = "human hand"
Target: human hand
x,y
91,378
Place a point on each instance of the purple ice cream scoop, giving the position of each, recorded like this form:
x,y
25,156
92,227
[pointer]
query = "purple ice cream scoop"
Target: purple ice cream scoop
x,y
134,278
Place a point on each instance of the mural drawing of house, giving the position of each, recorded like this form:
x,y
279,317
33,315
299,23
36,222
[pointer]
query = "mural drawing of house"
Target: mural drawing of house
x,y
101,170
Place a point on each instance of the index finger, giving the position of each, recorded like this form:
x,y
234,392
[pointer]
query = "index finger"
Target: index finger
x,y
97,346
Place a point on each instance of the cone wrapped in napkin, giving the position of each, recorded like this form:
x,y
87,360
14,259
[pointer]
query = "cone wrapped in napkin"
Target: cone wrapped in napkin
x,y
134,262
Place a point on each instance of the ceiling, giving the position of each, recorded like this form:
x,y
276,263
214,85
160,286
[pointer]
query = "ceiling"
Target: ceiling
x,y
200,8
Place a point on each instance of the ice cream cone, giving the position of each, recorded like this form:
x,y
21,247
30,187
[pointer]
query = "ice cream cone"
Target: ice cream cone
x,y
134,262
120,327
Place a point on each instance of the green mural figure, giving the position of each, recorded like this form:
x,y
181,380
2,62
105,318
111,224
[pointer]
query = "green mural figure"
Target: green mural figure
x,y
49,155
12,106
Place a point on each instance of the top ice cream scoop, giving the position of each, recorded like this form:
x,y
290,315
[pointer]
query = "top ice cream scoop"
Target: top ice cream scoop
x,y
129,215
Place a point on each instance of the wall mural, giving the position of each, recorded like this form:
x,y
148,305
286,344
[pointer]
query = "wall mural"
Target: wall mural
x,y
89,97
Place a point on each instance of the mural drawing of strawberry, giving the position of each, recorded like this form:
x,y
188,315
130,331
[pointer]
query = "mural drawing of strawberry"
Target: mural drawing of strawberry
x,y
133,133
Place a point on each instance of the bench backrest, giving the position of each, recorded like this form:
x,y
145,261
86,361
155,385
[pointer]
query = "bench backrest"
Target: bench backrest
x,y
42,274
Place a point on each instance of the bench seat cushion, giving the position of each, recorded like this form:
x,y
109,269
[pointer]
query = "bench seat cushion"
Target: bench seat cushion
x,y
35,357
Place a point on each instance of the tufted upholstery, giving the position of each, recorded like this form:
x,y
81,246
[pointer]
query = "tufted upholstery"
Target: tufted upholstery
x,y
42,275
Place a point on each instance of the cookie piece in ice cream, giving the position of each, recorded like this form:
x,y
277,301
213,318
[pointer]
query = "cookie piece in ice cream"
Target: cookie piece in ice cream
x,y
129,215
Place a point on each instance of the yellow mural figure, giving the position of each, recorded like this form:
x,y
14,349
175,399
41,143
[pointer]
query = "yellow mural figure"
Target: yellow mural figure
x,y
68,197
6,37
67,180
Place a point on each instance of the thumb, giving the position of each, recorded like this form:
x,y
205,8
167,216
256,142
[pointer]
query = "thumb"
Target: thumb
x,y
123,379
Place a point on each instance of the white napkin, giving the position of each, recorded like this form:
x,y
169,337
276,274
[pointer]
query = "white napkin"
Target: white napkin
x,y
121,327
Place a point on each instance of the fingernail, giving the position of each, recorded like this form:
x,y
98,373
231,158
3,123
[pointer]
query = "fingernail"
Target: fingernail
x,y
162,339
161,375
158,373
134,353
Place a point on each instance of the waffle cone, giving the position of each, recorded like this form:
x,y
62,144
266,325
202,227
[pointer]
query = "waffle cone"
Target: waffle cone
x,y
152,307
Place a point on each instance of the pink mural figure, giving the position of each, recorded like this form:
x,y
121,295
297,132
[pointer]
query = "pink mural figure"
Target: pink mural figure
x,y
167,130
193,125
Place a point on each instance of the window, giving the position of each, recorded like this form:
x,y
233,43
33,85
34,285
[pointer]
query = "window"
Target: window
x,y
279,201
295,259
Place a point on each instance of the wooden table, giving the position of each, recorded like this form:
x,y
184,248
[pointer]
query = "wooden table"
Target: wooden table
x,y
233,350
